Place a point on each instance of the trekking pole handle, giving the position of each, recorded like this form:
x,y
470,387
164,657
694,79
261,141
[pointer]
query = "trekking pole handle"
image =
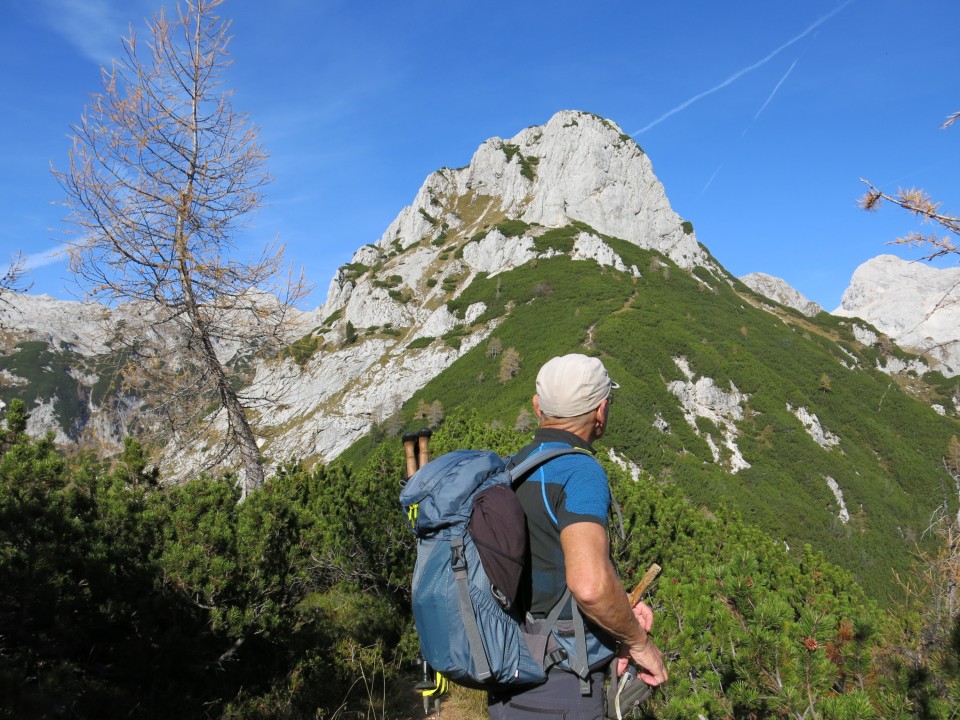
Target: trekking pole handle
x,y
644,583
410,452
423,437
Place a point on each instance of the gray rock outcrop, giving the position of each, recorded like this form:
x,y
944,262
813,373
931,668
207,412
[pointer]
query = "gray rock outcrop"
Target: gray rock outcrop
x,y
779,290
915,304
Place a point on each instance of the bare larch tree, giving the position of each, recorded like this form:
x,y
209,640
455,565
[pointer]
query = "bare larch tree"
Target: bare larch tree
x,y
163,175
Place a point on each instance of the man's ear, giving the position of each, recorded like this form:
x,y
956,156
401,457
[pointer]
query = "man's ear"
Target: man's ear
x,y
536,406
601,417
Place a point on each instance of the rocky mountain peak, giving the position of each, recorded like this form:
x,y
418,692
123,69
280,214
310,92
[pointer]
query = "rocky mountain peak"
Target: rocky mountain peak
x,y
577,167
913,302
380,332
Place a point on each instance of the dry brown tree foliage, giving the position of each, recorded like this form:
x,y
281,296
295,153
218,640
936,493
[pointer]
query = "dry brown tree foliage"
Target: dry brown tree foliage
x,y
163,175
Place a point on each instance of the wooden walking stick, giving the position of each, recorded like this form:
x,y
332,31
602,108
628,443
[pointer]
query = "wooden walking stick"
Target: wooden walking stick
x,y
417,453
626,694
644,583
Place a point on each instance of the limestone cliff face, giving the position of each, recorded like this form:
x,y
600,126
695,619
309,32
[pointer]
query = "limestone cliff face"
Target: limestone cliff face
x,y
576,167
915,304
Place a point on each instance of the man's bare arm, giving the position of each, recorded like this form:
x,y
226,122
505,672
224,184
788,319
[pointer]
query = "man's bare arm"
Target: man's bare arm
x,y
600,595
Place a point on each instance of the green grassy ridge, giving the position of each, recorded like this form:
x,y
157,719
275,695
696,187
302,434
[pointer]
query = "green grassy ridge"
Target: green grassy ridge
x,y
888,462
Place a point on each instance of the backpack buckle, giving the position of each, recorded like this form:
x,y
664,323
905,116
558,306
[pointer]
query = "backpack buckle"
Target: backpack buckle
x,y
458,555
556,657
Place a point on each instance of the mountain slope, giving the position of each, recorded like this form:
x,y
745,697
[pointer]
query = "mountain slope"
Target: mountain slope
x,y
780,290
782,417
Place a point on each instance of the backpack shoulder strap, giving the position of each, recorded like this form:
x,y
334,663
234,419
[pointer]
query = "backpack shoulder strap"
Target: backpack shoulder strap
x,y
536,459
458,562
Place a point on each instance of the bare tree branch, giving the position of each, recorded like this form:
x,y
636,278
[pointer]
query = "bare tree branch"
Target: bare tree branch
x,y
12,281
920,204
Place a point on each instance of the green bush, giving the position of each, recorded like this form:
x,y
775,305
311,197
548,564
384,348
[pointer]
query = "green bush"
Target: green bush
x,y
120,596
302,349
429,218
559,239
512,228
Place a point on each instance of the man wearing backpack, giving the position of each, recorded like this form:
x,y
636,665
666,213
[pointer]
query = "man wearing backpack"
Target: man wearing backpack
x,y
567,502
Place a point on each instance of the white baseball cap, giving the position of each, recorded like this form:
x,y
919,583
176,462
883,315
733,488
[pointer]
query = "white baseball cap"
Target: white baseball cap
x,y
572,385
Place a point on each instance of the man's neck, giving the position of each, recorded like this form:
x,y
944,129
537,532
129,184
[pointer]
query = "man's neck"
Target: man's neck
x,y
585,433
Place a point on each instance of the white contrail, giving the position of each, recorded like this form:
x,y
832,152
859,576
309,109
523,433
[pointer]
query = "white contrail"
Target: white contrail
x,y
740,73
776,87
715,173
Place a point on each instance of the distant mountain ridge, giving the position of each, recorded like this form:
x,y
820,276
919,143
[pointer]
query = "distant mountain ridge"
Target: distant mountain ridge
x,y
486,218
780,290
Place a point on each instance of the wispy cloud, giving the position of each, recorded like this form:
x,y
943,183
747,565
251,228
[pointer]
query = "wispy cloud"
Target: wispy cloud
x,y
38,260
94,27
740,73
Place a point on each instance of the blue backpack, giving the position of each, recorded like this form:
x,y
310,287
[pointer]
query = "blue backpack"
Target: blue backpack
x,y
469,627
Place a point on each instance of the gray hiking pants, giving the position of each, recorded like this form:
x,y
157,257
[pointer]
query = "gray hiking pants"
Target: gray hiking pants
x,y
558,698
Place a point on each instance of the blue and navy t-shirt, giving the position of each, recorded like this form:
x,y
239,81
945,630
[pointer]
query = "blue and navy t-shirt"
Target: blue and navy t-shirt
x,y
568,489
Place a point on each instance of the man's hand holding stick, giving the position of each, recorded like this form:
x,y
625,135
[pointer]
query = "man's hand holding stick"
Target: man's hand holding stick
x,y
648,657
634,684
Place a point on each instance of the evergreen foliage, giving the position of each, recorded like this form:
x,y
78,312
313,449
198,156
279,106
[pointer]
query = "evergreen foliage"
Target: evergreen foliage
x,y
122,597
119,598
302,349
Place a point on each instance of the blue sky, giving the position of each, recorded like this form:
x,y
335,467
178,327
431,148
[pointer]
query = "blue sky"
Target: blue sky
x,y
759,116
